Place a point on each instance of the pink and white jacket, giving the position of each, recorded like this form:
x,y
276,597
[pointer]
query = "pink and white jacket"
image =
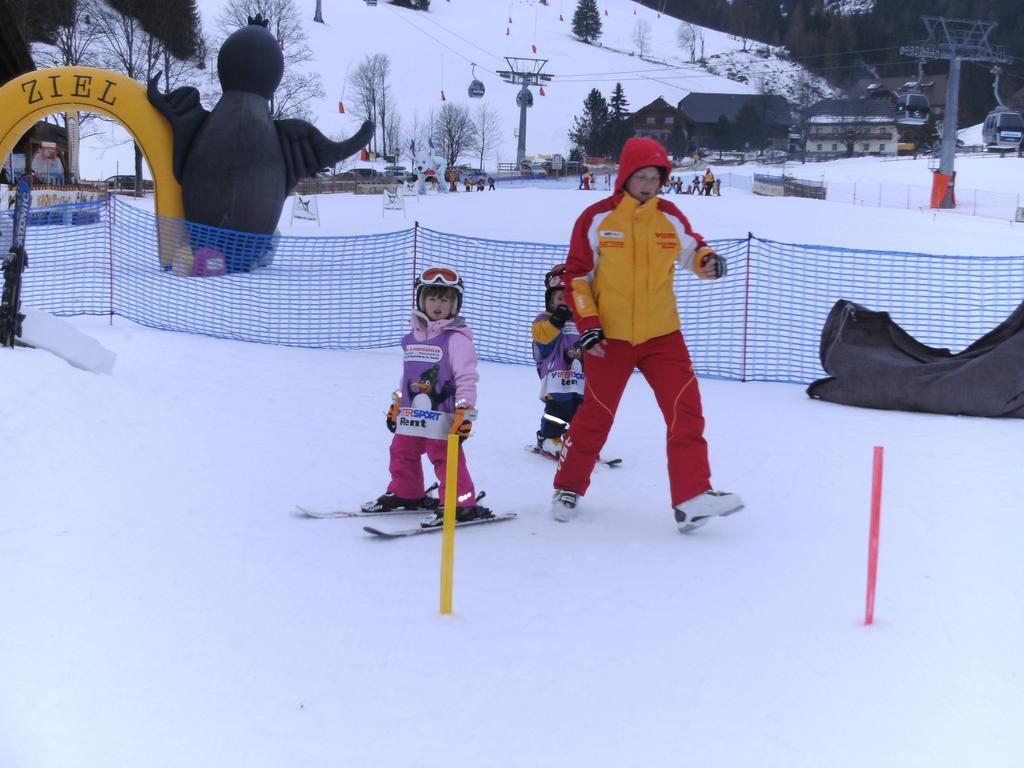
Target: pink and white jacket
x,y
461,352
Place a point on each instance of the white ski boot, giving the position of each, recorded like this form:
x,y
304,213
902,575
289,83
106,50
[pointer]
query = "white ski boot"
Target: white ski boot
x,y
563,505
692,514
551,446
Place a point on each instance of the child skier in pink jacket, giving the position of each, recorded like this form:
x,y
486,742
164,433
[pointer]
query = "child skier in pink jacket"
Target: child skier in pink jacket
x,y
436,397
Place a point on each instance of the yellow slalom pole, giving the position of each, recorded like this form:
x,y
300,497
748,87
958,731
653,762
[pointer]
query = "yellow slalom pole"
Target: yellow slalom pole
x,y
448,534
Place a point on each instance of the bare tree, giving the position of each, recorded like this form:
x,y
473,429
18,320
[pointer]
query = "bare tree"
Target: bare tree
x,y
393,134
298,88
373,95
123,47
454,131
642,35
75,44
488,126
686,36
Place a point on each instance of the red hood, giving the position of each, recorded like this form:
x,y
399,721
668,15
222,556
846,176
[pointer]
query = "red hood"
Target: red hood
x,y
637,153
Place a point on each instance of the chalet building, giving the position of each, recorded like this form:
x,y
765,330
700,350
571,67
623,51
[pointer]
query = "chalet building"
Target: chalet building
x,y
702,112
660,120
851,128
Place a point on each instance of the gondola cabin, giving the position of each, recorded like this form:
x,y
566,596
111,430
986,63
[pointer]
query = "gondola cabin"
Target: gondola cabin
x,y
1002,130
912,109
476,90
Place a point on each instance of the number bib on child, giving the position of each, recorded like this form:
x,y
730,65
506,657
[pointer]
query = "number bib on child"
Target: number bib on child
x,y
421,422
428,396
567,382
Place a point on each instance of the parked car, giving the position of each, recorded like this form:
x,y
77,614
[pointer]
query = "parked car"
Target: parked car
x,y
126,182
360,174
398,173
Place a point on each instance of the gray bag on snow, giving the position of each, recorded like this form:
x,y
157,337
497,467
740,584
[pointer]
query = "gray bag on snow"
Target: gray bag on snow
x,y
874,363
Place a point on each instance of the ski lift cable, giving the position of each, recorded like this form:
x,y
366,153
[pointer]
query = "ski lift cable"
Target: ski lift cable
x,y
1003,74
412,24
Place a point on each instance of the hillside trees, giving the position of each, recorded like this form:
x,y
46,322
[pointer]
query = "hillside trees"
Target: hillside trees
x,y
298,87
586,21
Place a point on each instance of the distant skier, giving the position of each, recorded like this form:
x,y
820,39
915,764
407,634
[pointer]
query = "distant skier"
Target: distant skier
x,y
709,180
558,363
436,398
619,284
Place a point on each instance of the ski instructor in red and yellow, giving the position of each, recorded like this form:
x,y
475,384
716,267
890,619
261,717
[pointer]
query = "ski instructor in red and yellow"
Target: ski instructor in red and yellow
x,y
622,260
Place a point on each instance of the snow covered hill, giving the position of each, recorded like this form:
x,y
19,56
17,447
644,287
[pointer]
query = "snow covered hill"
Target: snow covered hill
x,y
435,51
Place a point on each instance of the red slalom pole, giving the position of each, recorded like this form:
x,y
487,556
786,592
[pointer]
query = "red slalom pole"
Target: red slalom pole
x,y
876,511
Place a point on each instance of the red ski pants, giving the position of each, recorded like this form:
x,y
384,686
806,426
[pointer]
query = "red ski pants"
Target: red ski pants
x,y
665,363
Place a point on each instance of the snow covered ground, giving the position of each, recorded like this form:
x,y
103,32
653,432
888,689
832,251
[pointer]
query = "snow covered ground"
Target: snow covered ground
x,y
163,606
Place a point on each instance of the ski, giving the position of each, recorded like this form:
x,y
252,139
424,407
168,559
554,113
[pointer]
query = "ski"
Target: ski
x,y
14,264
535,450
342,513
404,532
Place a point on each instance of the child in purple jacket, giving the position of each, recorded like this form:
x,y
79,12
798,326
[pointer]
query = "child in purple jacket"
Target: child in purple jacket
x,y
559,366
436,398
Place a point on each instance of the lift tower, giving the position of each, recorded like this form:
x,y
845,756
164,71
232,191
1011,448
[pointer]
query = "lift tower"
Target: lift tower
x,y
954,40
524,72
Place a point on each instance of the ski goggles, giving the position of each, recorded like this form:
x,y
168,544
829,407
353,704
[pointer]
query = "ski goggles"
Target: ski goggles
x,y
554,278
440,276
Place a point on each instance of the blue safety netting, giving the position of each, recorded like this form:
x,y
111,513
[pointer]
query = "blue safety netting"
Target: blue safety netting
x,y
761,322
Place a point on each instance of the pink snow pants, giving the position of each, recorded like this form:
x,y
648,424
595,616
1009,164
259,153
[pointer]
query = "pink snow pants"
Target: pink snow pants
x,y
407,469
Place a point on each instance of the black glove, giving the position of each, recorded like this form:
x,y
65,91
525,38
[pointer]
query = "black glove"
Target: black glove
x,y
590,338
706,255
560,316
392,417
463,423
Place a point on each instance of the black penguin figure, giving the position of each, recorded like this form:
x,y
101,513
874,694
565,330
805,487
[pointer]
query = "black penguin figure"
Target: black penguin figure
x,y
236,165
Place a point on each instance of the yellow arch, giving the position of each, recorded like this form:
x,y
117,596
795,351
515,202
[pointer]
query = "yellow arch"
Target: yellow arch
x,y
29,98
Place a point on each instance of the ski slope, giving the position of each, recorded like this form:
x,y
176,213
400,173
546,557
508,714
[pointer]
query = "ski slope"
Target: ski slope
x,y
164,607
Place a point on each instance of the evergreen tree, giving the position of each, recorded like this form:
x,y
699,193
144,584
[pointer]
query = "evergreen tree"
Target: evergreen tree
x,y
590,130
721,135
677,145
620,127
586,21
751,128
